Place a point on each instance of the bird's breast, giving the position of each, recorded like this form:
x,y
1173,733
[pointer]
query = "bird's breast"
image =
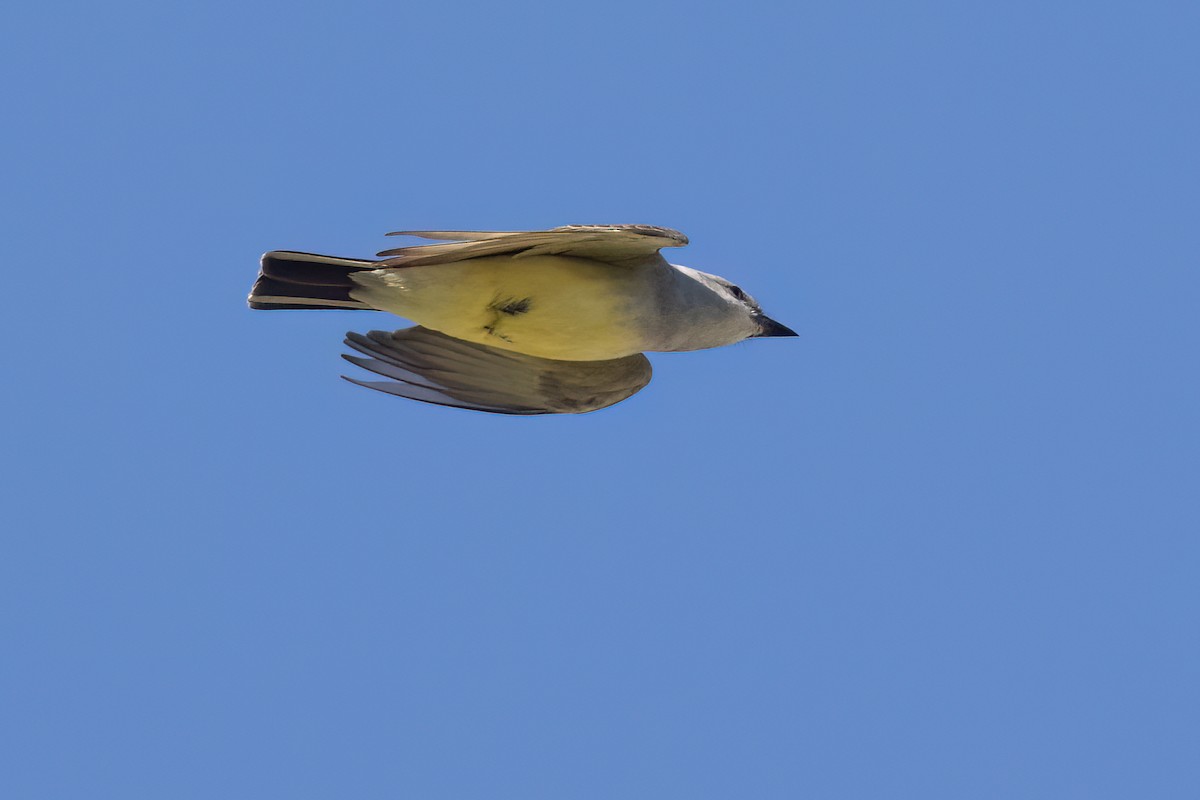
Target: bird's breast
x,y
548,306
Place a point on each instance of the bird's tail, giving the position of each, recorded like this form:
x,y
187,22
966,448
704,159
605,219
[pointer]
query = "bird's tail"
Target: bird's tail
x,y
306,280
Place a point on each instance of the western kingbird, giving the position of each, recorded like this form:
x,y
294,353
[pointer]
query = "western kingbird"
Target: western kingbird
x,y
520,322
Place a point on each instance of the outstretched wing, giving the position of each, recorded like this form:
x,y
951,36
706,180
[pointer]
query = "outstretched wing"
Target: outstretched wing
x,y
609,243
435,368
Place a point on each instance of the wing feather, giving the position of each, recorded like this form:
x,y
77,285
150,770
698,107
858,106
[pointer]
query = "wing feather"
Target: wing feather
x,y
615,244
431,367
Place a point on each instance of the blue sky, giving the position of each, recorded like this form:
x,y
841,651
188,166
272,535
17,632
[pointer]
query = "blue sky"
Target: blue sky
x,y
943,544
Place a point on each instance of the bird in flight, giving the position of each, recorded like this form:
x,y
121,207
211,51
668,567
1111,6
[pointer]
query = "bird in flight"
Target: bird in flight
x,y
520,322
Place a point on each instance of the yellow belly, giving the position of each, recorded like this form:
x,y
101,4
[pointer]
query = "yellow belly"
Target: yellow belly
x,y
548,306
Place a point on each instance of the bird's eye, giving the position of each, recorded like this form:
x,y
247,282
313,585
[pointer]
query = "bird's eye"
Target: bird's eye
x,y
737,292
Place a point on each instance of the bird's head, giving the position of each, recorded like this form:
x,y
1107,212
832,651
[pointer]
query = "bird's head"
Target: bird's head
x,y
759,324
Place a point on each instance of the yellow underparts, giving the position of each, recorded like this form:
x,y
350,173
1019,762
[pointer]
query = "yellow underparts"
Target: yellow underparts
x,y
547,306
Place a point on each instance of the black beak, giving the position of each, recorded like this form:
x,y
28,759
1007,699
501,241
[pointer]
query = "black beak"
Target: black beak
x,y
769,327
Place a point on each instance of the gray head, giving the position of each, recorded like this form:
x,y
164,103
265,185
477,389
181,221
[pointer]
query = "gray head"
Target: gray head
x,y
725,312
766,325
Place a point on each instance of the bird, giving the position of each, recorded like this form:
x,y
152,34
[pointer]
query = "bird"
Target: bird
x,y
520,322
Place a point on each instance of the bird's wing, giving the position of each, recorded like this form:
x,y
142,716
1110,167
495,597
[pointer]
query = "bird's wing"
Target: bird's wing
x,y
609,243
432,367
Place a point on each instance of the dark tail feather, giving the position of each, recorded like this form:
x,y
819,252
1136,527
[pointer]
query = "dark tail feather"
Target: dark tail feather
x,y
306,280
